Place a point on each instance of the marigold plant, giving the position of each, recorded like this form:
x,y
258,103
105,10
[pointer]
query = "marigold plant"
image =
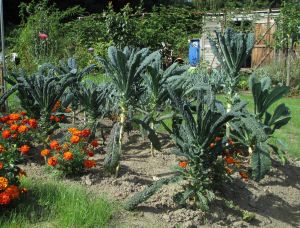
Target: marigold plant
x,y
71,155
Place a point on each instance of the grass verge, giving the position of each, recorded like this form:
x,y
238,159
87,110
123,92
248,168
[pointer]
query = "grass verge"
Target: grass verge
x,y
54,204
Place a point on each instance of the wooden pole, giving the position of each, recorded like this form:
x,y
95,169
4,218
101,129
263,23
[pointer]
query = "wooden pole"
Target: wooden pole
x,y
2,66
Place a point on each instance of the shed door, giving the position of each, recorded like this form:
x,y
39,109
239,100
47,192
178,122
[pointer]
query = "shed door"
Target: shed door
x,y
262,53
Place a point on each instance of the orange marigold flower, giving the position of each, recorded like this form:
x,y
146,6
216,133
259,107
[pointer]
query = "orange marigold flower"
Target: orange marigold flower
x,y
33,123
4,198
183,164
10,122
3,183
85,133
68,155
14,136
22,129
2,149
89,163
6,134
1,165
72,129
76,132
54,145
23,113
230,160
14,116
244,175
212,145
52,161
13,191
95,143
14,127
24,149
75,139
45,152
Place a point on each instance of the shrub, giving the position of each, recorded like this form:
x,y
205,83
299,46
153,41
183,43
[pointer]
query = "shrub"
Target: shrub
x,y
71,156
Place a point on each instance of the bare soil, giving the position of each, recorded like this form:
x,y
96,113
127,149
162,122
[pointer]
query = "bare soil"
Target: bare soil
x,y
274,201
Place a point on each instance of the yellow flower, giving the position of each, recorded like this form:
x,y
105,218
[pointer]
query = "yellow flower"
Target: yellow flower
x,y
3,183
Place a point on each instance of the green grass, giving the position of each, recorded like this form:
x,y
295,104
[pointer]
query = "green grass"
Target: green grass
x,y
54,204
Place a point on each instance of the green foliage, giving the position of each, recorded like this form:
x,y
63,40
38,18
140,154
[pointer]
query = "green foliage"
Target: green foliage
x,y
264,96
205,170
94,99
125,69
231,49
113,156
41,17
142,196
256,131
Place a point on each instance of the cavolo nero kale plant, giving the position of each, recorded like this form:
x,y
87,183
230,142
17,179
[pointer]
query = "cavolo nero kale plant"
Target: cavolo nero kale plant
x,y
125,69
154,99
199,141
256,130
231,50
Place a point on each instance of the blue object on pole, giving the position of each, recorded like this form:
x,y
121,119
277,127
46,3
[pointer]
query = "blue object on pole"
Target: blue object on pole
x,y
194,52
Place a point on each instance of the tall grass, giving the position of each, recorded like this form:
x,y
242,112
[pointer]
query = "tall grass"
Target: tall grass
x,y
54,204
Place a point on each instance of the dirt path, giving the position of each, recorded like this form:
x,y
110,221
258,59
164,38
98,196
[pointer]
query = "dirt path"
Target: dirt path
x,y
275,201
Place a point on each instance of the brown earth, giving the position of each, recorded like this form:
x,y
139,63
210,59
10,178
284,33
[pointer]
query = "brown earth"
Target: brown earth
x,y
274,201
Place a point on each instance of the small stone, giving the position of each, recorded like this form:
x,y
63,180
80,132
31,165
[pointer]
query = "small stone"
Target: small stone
x,y
238,224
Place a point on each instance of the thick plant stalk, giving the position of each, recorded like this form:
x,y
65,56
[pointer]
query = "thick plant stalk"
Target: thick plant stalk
x,y
122,121
152,148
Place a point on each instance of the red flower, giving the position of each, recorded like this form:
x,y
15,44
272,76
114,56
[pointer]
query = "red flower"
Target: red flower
x,y
183,164
33,123
54,145
90,153
24,149
52,161
230,160
4,198
6,134
89,163
218,139
94,143
1,165
43,36
244,175
14,127
85,132
212,145
23,113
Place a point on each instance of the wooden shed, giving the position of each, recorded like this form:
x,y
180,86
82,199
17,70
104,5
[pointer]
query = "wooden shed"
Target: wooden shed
x,y
264,25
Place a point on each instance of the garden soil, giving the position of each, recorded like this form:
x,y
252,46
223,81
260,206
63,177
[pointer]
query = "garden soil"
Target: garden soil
x,y
274,202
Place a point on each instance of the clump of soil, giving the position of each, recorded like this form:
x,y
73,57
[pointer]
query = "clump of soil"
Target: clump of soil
x,y
274,201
